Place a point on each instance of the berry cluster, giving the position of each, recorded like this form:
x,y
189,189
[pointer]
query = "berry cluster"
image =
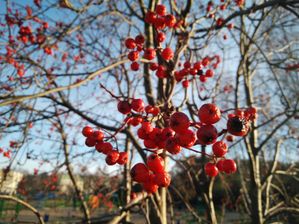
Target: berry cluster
x,y
96,138
152,175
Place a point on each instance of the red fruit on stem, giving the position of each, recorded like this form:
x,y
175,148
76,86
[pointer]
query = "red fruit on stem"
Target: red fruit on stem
x,y
229,166
104,147
179,122
237,126
211,170
124,107
209,113
186,139
161,10
160,37
220,165
155,163
112,157
140,173
87,131
185,84
167,133
98,136
162,179
90,141
130,43
123,158
137,105
209,73
167,54
207,134
149,143
149,53
135,66
172,146
219,149
150,187
147,127
150,17
139,39
170,20
133,55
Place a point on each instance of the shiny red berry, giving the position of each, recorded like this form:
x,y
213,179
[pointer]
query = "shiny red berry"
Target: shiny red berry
x,y
160,37
150,17
207,134
229,166
161,10
211,170
104,147
209,113
219,149
170,20
140,173
237,126
124,107
98,136
137,105
90,141
172,146
135,66
87,131
130,43
149,53
167,54
155,163
139,39
162,179
112,157
179,122
133,55
123,158
186,139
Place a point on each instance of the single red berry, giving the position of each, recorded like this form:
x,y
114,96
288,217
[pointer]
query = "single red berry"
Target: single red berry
x,y
135,66
142,134
124,107
229,138
185,84
170,20
229,166
133,55
87,131
198,66
220,165
186,139
140,173
135,121
155,134
211,170
172,146
187,64
98,136
130,43
104,147
219,21
179,122
149,186
156,111
147,127
123,158
193,71
149,143
203,78
149,53
154,66
149,109
159,23
150,17
161,10
90,141
230,26
207,134
206,61
209,113
219,149
139,39
167,54
237,126
112,157
160,37
209,73
137,105
155,163
162,179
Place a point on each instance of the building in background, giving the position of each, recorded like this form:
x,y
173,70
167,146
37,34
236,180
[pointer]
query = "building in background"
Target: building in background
x,y
9,183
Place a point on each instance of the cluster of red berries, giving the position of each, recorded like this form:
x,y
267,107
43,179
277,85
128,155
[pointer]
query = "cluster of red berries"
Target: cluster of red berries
x,y
152,175
6,154
95,138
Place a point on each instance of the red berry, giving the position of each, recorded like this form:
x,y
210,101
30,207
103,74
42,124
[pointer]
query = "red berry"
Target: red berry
x,y
155,163
206,61
211,170
90,141
98,136
140,173
203,78
159,23
172,146
104,147
179,122
142,134
124,107
150,17
162,179
155,134
185,83
87,131
135,121
237,126
186,138
207,134
229,138
167,133
193,71
130,43
149,53
137,105
149,186
198,66
123,158
135,66
170,20
154,66
187,64
133,55
112,157
160,37
147,127
219,149
149,109
161,10
220,165
229,166
155,111
167,54
209,73
149,143
209,113
139,39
